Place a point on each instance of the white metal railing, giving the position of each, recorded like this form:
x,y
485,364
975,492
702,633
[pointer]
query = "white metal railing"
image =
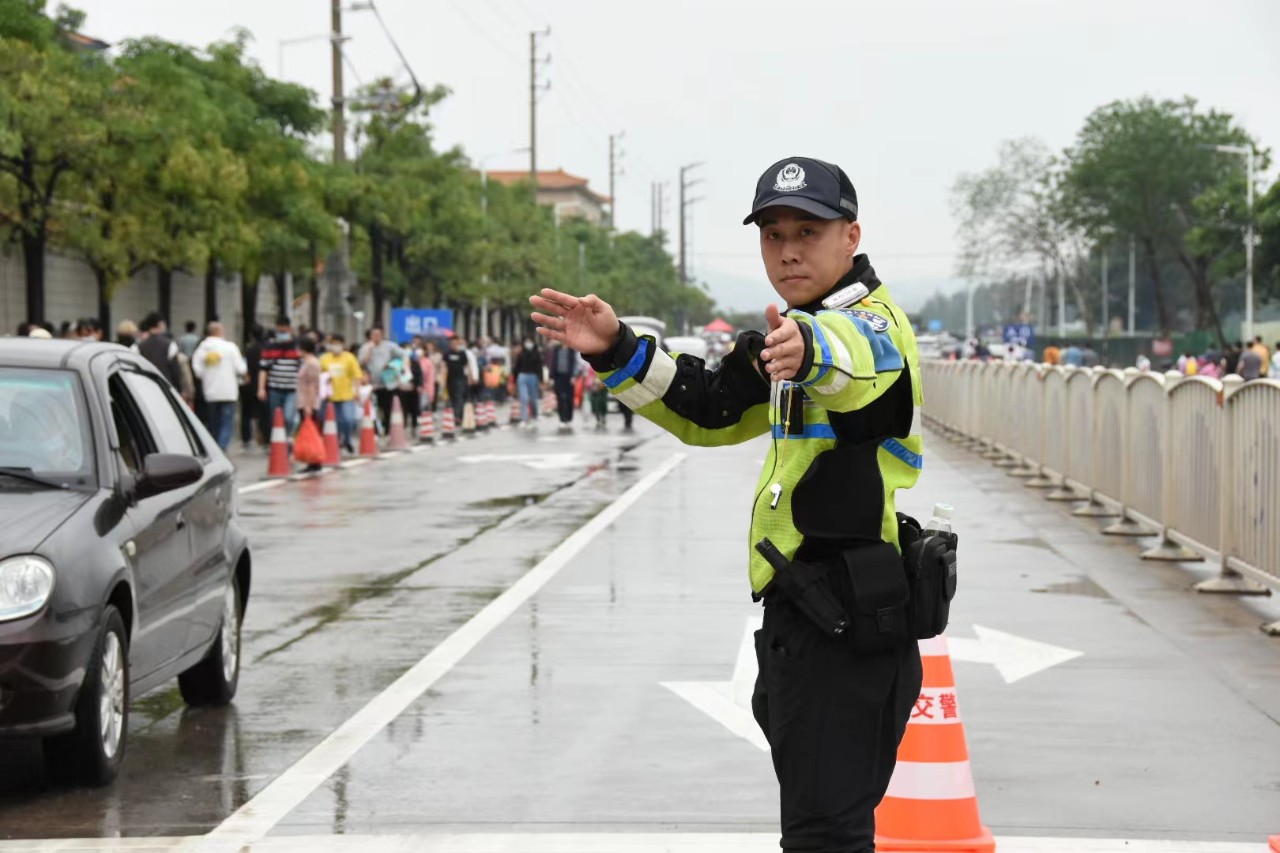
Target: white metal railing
x,y
1194,460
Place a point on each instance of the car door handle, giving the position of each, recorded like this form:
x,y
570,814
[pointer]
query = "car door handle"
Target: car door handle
x,y
182,522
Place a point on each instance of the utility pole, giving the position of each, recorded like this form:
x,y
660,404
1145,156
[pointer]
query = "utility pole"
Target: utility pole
x,y
685,202
339,99
1132,281
534,88
1062,304
615,169
1106,297
653,208
662,204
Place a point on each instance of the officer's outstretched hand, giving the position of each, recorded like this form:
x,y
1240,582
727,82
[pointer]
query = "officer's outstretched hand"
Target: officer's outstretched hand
x,y
584,323
785,346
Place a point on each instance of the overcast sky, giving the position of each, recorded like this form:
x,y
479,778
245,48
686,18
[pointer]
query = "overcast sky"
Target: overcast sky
x,y
903,95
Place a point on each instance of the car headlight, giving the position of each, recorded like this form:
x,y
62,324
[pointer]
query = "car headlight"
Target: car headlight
x,y
26,583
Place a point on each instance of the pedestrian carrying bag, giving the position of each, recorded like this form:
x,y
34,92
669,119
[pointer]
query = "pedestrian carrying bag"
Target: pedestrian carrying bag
x,y
929,563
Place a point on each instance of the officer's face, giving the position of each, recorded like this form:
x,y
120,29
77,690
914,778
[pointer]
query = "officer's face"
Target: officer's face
x,y
805,256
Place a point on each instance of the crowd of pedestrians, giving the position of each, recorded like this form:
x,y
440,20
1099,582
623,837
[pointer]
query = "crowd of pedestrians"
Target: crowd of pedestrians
x,y
299,371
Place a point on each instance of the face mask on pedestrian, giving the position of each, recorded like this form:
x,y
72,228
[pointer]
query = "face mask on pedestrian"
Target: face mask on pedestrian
x,y
336,349
528,344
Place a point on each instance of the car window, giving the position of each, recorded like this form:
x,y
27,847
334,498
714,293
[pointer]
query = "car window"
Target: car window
x,y
132,445
44,424
168,428
194,428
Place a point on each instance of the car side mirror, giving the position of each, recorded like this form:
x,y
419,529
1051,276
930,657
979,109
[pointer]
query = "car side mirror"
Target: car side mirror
x,y
164,472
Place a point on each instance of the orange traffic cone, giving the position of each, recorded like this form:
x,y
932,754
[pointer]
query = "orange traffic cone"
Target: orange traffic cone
x,y
513,419
399,440
368,440
332,453
548,403
931,804
1275,844
427,426
448,427
492,417
278,464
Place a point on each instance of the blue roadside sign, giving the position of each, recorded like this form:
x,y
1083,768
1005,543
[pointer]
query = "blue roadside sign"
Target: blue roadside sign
x,y
1020,333
407,322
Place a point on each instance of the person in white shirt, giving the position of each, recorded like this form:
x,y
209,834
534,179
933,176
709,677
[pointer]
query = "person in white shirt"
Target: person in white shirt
x,y
218,364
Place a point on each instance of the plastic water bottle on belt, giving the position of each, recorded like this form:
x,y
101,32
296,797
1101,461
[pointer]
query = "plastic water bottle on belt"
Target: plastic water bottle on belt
x,y
941,520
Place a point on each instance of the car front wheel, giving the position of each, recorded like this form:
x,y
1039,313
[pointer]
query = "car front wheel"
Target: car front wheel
x,y
213,681
91,753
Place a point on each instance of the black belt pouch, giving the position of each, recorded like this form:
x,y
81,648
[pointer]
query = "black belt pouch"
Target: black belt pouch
x,y
878,596
930,567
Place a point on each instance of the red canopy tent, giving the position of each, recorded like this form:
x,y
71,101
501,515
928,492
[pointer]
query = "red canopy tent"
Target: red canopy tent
x,y
717,325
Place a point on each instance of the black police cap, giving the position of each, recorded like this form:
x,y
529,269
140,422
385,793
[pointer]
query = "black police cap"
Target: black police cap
x,y
814,186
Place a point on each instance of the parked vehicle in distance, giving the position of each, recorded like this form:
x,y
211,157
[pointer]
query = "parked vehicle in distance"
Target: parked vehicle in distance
x,y
122,560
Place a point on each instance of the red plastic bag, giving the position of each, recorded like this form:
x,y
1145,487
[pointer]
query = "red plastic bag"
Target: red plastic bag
x,y
308,446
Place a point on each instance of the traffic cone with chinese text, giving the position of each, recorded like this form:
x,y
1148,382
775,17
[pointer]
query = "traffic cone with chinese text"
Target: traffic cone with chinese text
x,y
368,438
1275,844
332,453
931,804
448,426
513,419
427,426
399,440
278,463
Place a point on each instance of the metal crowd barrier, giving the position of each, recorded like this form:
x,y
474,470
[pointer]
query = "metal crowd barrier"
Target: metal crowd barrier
x,y
1190,460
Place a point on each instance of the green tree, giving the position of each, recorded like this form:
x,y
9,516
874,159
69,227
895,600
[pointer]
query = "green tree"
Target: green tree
x,y
1140,167
51,123
1014,222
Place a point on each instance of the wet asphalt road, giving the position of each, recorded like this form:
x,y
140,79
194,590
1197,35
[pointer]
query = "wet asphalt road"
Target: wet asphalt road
x,y
1167,726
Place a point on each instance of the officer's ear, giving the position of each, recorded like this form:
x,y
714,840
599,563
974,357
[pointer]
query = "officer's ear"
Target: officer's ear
x,y
853,237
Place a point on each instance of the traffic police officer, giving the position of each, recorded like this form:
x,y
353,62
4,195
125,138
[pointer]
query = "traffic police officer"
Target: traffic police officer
x,y
835,382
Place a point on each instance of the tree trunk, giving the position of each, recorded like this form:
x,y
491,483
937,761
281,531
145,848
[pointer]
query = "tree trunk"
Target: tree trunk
x,y
1082,303
249,306
104,303
1206,310
377,248
164,286
1157,286
33,266
315,290
211,292
282,296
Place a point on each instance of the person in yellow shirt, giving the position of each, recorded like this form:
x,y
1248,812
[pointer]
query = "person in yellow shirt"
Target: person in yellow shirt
x,y
344,372
1265,354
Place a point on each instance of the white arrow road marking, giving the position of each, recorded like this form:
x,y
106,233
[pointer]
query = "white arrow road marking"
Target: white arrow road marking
x,y
729,702
536,461
1014,657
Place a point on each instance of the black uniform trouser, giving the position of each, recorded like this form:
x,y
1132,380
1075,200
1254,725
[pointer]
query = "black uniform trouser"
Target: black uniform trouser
x,y
833,719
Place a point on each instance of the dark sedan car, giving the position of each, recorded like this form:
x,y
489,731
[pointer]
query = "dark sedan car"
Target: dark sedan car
x,y
122,561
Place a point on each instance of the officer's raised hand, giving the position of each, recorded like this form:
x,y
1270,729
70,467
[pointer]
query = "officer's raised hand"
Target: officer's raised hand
x,y
584,323
784,346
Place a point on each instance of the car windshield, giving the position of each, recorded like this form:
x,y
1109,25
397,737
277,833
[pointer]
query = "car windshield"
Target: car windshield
x,y
44,428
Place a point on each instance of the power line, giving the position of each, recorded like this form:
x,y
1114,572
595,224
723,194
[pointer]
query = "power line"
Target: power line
x,y
502,48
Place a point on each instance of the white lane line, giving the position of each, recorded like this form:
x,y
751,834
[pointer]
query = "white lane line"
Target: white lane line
x,y
257,817
262,486
589,842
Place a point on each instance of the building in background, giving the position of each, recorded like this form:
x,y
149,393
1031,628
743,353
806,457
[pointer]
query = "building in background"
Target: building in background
x,y
567,194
